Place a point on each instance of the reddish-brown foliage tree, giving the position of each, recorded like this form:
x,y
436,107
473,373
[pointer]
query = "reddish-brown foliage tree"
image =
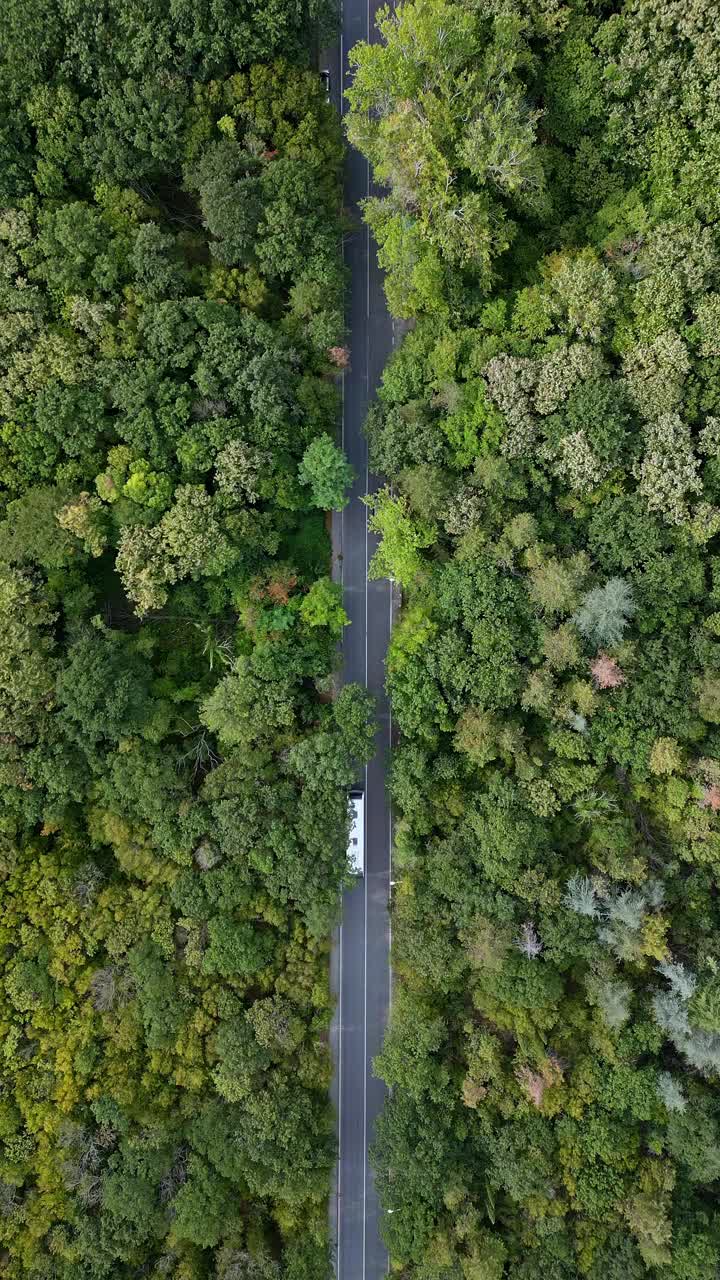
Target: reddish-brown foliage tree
x,y
606,673
711,798
339,356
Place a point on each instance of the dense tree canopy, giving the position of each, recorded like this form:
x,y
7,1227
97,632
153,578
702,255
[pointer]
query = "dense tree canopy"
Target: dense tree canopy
x,y
174,757
551,431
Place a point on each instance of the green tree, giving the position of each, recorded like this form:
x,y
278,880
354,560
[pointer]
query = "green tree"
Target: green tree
x,y
327,473
402,539
441,113
322,607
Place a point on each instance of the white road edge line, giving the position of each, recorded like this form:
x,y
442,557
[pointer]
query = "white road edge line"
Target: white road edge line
x,y
390,828
367,843
367,849
338,1198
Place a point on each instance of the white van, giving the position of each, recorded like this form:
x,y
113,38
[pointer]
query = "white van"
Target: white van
x,y
356,843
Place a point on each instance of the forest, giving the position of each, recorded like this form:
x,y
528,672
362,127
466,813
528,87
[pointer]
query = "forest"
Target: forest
x,y
549,222
174,752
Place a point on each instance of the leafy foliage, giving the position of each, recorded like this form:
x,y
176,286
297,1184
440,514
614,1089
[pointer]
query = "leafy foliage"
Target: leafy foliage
x,y
328,474
174,756
548,430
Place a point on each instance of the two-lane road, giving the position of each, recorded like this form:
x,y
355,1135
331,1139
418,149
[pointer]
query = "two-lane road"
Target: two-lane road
x,y
361,952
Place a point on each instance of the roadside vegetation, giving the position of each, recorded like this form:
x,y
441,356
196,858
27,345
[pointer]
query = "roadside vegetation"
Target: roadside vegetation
x,y
173,769
551,430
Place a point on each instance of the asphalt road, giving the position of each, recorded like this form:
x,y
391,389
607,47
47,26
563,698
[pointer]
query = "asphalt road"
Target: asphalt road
x,y
361,951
